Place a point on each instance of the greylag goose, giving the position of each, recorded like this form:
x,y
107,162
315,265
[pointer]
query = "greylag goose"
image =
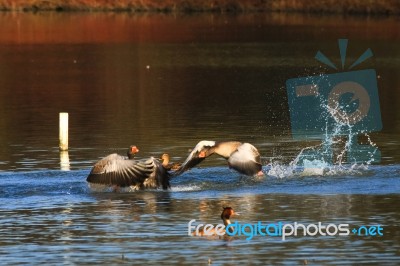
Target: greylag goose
x,y
226,214
243,157
119,171
166,163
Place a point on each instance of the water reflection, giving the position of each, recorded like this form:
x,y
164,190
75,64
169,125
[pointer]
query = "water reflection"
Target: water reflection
x,y
64,161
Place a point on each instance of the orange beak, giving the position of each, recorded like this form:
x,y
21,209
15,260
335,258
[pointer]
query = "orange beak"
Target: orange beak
x,y
202,154
134,149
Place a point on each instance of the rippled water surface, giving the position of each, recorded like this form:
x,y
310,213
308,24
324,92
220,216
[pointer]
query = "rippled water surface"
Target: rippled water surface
x,y
165,82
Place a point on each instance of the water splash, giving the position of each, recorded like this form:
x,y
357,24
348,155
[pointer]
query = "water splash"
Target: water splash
x,y
185,188
338,153
303,165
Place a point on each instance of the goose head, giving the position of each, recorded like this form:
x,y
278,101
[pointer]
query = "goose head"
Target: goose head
x,y
197,155
203,149
132,151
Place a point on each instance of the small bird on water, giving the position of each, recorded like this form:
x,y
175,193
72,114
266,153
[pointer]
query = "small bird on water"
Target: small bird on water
x,y
226,214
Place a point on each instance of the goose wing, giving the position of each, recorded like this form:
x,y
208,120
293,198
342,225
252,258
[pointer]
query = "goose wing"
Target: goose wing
x,y
193,159
117,170
246,160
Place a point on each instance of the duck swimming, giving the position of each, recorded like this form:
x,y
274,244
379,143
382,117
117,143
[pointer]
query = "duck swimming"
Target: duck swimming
x,y
119,171
226,214
243,157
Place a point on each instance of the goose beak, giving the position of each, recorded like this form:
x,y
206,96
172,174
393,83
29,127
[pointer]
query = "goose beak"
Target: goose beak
x,y
202,154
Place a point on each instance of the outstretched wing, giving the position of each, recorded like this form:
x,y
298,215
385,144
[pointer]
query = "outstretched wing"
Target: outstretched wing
x,y
193,159
246,160
117,170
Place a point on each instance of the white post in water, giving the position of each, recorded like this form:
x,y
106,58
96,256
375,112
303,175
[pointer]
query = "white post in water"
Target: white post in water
x,y
63,132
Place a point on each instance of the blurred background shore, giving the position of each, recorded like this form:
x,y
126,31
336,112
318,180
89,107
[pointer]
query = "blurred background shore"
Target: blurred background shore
x,y
378,7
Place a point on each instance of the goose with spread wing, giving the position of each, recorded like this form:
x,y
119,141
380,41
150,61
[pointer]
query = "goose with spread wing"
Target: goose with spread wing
x,y
119,171
243,157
